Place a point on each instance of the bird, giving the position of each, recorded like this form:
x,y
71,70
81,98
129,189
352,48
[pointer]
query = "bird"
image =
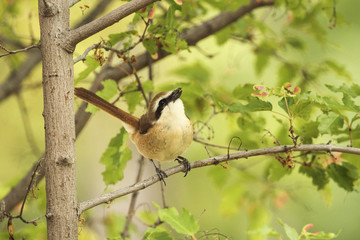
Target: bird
x,y
163,133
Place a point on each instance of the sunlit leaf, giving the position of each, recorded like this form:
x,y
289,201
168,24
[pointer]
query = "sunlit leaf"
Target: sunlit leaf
x,y
254,105
157,234
117,37
290,232
109,90
329,123
115,158
184,224
92,64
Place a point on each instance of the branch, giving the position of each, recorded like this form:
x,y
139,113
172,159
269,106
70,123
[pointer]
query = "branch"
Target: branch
x,y
14,81
79,34
192,36
9,52
12,84
108,197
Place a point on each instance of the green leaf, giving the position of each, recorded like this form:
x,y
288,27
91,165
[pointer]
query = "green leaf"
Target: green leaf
x,y
92,64
329,123
350,103
276,171
344,175
170,17
289,101
243,91
254,105
223,35
115,38
318,175
265,231
232,198
184,224
109,90
289,231
295,43
322,235
338,69
302,109
262,60
308,131
157,234
196,72
287,73
150,45
115,158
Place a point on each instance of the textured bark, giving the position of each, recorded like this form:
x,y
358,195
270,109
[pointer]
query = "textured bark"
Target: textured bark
x,y
58,82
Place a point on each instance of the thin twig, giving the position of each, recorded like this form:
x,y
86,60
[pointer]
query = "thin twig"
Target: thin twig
x,y
214,145
83,56
140,87
105,198
134,196
9,52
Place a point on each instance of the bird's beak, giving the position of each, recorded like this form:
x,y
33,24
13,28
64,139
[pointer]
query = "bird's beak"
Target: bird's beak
x,y
175,94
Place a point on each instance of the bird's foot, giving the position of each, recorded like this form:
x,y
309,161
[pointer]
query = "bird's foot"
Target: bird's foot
x,y
185,162
161,174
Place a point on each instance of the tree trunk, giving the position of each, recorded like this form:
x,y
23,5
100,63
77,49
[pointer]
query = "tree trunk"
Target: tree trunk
x,y
58,81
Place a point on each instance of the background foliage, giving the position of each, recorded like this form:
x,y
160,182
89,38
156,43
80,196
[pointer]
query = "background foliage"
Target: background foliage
x,y
285,73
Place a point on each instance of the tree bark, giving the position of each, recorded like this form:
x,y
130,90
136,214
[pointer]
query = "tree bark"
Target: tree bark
x,y
58,82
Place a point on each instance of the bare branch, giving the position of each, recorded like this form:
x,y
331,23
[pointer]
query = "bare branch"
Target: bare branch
x,y
82,57
107,197
16,77
87,30
9,52
13,82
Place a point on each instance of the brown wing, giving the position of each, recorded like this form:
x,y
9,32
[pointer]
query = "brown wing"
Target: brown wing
x,y
97,101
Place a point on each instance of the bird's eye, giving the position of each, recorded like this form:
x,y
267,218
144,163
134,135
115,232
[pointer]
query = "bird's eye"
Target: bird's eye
x,y
162,102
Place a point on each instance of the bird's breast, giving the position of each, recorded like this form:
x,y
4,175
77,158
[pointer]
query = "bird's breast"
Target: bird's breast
x,y
166,140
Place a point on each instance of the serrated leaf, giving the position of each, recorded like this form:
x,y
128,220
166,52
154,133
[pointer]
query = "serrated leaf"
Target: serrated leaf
x,y
308,131
184,224
318,175
290,232
109,90
302,109
115,38
115,158
322,235
92,64
350,103
344,175
254,105
329,123
157,234
284,105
